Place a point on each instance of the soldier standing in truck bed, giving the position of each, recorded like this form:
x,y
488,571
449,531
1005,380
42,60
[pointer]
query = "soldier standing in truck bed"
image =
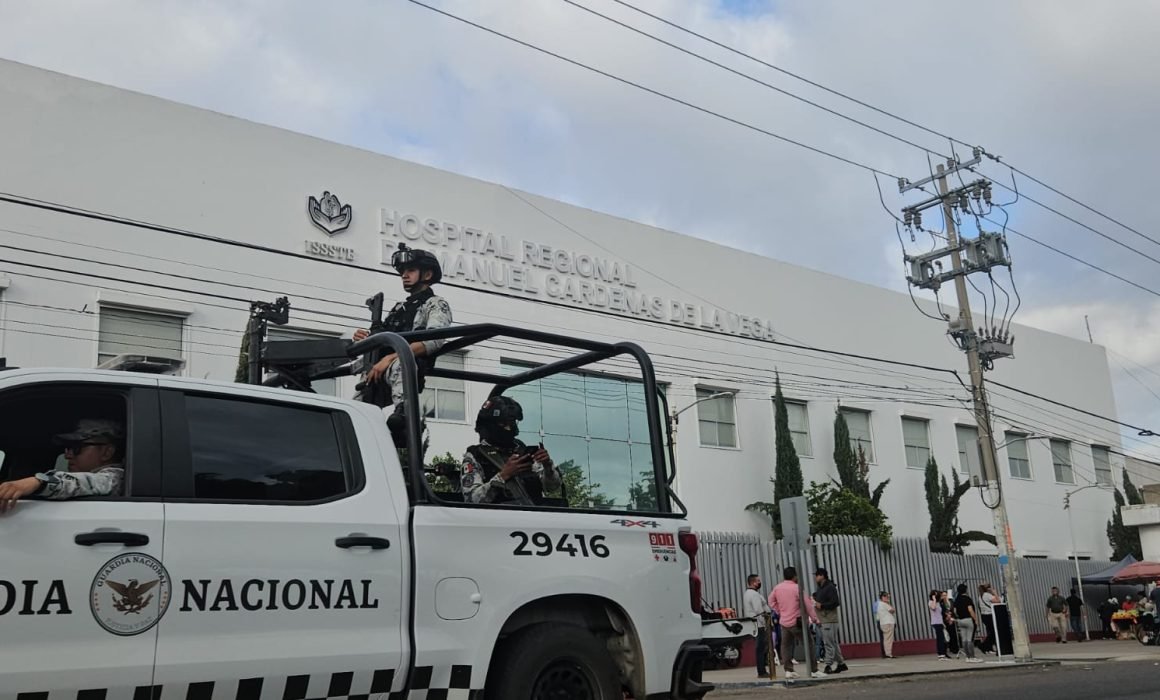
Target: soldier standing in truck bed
x,y
421,310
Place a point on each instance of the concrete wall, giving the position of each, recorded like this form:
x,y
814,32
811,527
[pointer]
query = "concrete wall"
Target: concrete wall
x,y
92,147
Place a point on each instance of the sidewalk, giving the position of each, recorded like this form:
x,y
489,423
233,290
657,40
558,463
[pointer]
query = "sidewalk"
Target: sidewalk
x,y
862,669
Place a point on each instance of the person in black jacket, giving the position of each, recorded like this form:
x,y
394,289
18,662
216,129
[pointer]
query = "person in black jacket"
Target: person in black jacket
x,y
827,601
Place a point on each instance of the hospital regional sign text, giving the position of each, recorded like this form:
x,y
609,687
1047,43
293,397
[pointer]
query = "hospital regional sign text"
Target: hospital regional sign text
x,y
534,269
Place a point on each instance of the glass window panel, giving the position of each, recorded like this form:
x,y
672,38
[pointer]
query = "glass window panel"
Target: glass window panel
x,y
1102,460
858,422
606,401
262,452
708,433
637,414
1018,462
451,405
708,409
124,331
968,439
1061,461
915,439
726,435
563,406
610,469
799,428
571,456
450,361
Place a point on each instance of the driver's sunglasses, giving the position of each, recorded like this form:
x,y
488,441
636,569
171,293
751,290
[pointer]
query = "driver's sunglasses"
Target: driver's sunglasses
x,y
75,447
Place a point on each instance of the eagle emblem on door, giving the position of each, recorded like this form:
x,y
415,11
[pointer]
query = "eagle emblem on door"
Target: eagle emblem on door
x,y
133,598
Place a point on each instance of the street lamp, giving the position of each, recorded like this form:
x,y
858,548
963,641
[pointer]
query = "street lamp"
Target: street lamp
x,y
1075,554
674,420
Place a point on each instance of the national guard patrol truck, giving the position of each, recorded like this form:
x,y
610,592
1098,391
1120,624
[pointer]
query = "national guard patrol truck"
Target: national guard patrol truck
x,y
268,544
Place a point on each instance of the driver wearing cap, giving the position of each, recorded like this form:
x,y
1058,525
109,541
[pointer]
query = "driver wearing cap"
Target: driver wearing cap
x,y
93,452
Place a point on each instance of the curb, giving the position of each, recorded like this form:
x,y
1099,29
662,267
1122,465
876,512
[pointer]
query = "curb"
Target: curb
x,y
810,682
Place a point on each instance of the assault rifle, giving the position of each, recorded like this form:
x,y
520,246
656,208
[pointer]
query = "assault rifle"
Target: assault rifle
x,y
377,393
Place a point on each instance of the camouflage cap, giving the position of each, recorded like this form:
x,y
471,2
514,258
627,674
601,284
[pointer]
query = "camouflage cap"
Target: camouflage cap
x,y
91,429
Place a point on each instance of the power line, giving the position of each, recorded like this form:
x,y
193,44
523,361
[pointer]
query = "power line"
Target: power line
x,y
886,113
41,204
750,78
651,91
1142,431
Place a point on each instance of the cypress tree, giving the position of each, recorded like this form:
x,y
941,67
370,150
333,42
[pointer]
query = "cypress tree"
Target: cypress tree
x,y
844,457
788,481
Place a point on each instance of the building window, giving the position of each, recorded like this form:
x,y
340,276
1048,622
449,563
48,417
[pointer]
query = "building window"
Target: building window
x,y
274,334
717,420
595,427
444,398
1018,461
1103,463
916,439
1061,460
243,450
968,439
859,424
129,331
799,428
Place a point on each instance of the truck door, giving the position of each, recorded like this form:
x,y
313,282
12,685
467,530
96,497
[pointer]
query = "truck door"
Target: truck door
x,y
81,583
284,546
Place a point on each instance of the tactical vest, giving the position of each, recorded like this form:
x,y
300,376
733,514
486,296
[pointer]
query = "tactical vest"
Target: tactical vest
x,y
401,319
491,460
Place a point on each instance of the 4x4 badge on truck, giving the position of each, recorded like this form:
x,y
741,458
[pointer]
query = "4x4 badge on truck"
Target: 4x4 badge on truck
x,y
130,594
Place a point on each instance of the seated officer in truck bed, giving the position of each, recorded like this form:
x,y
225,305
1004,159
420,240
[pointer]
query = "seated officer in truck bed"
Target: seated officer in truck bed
x,y
501,469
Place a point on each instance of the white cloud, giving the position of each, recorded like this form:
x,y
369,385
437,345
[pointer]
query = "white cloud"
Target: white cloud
x,y
1067,89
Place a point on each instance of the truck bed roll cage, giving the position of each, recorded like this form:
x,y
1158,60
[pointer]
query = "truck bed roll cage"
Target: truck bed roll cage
x,y
466,336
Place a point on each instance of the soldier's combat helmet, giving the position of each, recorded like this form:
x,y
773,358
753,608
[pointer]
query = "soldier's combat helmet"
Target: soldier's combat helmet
x,y
498,420
406,257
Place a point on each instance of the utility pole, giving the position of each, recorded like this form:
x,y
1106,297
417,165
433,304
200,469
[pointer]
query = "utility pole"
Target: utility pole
x,y
982,348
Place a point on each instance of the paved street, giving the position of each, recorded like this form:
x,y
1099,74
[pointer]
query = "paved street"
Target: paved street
x,y
1106,679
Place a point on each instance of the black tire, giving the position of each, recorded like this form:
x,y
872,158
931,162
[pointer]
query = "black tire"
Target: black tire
x,y
553,662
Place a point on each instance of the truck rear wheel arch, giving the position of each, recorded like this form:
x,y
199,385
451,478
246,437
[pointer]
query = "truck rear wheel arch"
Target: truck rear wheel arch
x,y
600,616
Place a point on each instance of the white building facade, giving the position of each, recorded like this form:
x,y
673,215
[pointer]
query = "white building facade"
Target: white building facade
x,y
112,200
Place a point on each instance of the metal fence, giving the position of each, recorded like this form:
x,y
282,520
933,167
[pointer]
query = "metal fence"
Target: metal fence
x,y
909,571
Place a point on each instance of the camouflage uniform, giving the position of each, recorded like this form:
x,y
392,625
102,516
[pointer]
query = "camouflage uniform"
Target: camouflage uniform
x,y
58,485
480,481
104,481
433,312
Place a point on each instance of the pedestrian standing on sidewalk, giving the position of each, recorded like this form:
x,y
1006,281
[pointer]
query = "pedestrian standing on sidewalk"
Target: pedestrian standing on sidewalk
x,y
967,621
886,621
987,613
1056,617
827,601
754,606
952,630
874,615
785,599
1075,614
936,623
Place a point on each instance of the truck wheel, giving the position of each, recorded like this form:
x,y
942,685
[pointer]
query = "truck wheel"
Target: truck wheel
x,y
554,662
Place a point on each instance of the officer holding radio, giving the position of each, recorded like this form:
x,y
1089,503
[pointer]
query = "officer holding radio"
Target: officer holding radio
x,y
501,469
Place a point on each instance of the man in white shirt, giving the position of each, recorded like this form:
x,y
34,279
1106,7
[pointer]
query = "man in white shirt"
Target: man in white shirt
x,y
754,606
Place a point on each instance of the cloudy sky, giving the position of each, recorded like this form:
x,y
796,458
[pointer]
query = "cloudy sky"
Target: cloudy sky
x,y
1064,90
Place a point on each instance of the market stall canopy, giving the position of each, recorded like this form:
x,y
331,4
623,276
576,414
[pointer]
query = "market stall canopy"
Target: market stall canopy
x,y
1106,575
1140,572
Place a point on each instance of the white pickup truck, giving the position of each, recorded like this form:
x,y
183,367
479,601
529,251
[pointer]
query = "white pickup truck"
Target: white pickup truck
x,y
268,544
